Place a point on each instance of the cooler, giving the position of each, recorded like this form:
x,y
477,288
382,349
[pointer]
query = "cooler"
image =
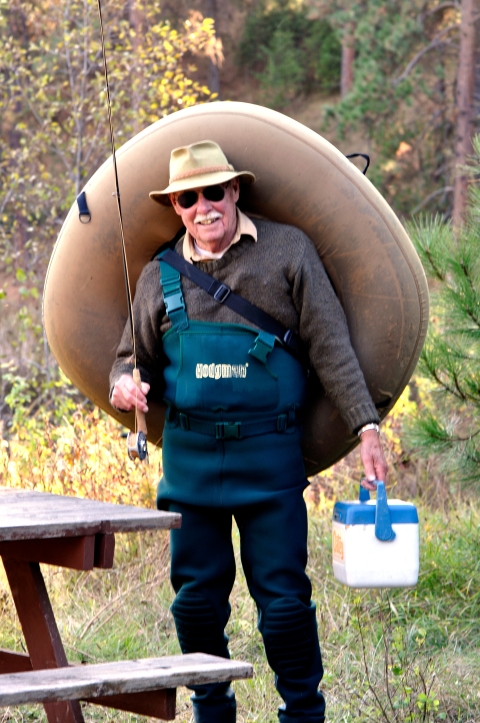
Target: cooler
x,y
375,543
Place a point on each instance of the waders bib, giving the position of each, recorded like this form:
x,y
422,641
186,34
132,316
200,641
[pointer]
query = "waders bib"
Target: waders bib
x,y
231,447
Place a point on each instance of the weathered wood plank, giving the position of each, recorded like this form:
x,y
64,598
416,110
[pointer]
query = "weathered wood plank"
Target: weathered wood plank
x,y
104,550
11,662
40,631
76,553
118,678
26,514
155,704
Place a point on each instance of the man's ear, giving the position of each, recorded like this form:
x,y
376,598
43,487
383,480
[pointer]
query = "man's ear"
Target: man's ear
x,y
235,188
174,203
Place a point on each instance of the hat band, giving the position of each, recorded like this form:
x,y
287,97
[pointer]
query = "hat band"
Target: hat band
x,y
200,172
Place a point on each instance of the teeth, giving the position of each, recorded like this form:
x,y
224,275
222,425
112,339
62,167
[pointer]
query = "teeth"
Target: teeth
x,y
206,220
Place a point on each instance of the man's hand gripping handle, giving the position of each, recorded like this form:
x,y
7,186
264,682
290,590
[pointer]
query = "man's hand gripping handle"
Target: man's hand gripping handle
x,y
137,441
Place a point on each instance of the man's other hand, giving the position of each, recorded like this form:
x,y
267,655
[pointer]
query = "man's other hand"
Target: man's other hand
x,y
127,396
373,459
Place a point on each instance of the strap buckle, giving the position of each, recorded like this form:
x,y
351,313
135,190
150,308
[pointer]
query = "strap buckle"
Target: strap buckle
x,y
287,420
264,344
184,421
174,302
222,293
288,337
170,414
228,430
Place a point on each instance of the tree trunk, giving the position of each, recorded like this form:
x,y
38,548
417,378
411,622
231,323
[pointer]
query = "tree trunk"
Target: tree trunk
x,y
136,20
17,24
213,79
465,118
476,88
348,58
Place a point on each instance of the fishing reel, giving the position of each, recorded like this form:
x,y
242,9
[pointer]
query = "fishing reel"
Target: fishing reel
x,y
137,441
137,446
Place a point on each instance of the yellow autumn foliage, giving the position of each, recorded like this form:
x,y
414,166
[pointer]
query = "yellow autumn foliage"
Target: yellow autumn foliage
x,y
82,451
84,456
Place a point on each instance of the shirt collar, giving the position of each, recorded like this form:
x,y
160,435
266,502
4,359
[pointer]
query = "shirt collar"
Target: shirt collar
x,y
245,227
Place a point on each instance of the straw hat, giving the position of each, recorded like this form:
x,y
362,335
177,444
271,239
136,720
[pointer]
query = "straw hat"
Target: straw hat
x,y
197,165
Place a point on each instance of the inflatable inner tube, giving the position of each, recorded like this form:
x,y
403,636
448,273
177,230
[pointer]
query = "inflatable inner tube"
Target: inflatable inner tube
x,y
302,180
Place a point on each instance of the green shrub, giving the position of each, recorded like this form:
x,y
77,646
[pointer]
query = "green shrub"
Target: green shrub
x,y
283,74
450,427
288,53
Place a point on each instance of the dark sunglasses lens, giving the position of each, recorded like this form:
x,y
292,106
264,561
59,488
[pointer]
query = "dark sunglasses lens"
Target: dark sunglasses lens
x,y
187,199
214,193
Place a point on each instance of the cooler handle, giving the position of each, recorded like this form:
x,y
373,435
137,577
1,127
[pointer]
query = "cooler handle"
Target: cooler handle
x,y
383,523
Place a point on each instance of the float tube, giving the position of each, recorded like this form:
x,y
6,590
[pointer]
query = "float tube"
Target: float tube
x,y
302,180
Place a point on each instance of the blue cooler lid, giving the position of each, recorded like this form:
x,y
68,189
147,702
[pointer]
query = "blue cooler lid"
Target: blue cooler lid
x,y
363,513
381,513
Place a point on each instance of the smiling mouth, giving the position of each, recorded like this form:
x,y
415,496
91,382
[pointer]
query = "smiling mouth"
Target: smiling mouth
x,y
207,220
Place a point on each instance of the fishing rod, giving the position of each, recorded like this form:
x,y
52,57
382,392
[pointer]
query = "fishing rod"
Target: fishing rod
x,y
137,440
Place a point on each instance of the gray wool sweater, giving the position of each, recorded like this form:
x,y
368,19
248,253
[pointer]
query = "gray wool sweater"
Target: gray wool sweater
x,y
282,274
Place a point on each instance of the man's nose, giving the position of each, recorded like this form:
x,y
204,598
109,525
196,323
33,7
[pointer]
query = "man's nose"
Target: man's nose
x,y
202,204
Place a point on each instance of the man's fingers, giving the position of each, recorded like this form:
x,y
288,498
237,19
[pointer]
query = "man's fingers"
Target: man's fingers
x,y
368,485
381,468
135,396
367,449
126,395
373,458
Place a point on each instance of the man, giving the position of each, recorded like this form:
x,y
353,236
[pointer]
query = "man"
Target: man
x,y
231,444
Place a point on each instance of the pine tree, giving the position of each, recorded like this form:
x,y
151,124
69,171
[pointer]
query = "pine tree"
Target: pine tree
x,y
451,356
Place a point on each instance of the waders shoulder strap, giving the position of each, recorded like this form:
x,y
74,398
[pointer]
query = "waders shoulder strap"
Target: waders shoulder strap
x,y
224,295
173,296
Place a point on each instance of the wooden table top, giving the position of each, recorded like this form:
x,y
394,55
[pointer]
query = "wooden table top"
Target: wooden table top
x,y
28,515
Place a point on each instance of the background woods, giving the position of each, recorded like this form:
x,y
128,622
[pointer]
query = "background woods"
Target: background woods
x,y
54,128
398,79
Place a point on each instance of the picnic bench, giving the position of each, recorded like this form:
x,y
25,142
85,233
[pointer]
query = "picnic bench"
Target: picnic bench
x,y
37,527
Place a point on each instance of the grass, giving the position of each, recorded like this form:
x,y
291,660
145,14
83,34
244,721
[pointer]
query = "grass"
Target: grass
x,y
390,656
397,656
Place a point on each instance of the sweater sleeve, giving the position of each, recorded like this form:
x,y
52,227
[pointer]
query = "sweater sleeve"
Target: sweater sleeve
x,y
323,328
148,313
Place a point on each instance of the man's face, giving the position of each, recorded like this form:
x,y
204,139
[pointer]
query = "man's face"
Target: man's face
x,y
211,223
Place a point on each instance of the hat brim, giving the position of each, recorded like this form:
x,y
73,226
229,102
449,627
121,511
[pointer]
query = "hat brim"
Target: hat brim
x,y
205,179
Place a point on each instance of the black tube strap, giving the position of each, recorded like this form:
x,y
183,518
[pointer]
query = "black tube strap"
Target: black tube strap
x,y
365,157
83,211
224,295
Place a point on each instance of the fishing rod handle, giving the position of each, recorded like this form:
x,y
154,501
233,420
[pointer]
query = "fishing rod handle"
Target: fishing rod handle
x,y
140,416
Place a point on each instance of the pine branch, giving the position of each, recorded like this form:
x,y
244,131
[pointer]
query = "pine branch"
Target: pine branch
x,y
433,371
451,439
427,199
461,394
470,312
436,42
442,6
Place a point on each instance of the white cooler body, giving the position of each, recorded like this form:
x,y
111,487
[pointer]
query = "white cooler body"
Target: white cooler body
x,y
362,560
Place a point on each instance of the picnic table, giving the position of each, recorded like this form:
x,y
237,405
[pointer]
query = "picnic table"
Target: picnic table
x,y
37,527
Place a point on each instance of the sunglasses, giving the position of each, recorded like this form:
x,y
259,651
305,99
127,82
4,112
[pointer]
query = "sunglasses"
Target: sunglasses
x,y
187,199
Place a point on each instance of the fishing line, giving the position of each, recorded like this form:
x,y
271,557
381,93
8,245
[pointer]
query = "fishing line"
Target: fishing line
x,y
138,446
117,185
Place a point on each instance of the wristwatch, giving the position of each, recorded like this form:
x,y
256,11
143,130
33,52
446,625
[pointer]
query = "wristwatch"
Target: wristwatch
x,y
366,427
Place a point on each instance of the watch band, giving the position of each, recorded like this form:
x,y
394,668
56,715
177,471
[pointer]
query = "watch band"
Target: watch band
x,y
366,427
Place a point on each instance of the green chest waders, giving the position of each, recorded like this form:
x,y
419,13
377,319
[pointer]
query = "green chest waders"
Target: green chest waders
x,y
231,445
234,401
